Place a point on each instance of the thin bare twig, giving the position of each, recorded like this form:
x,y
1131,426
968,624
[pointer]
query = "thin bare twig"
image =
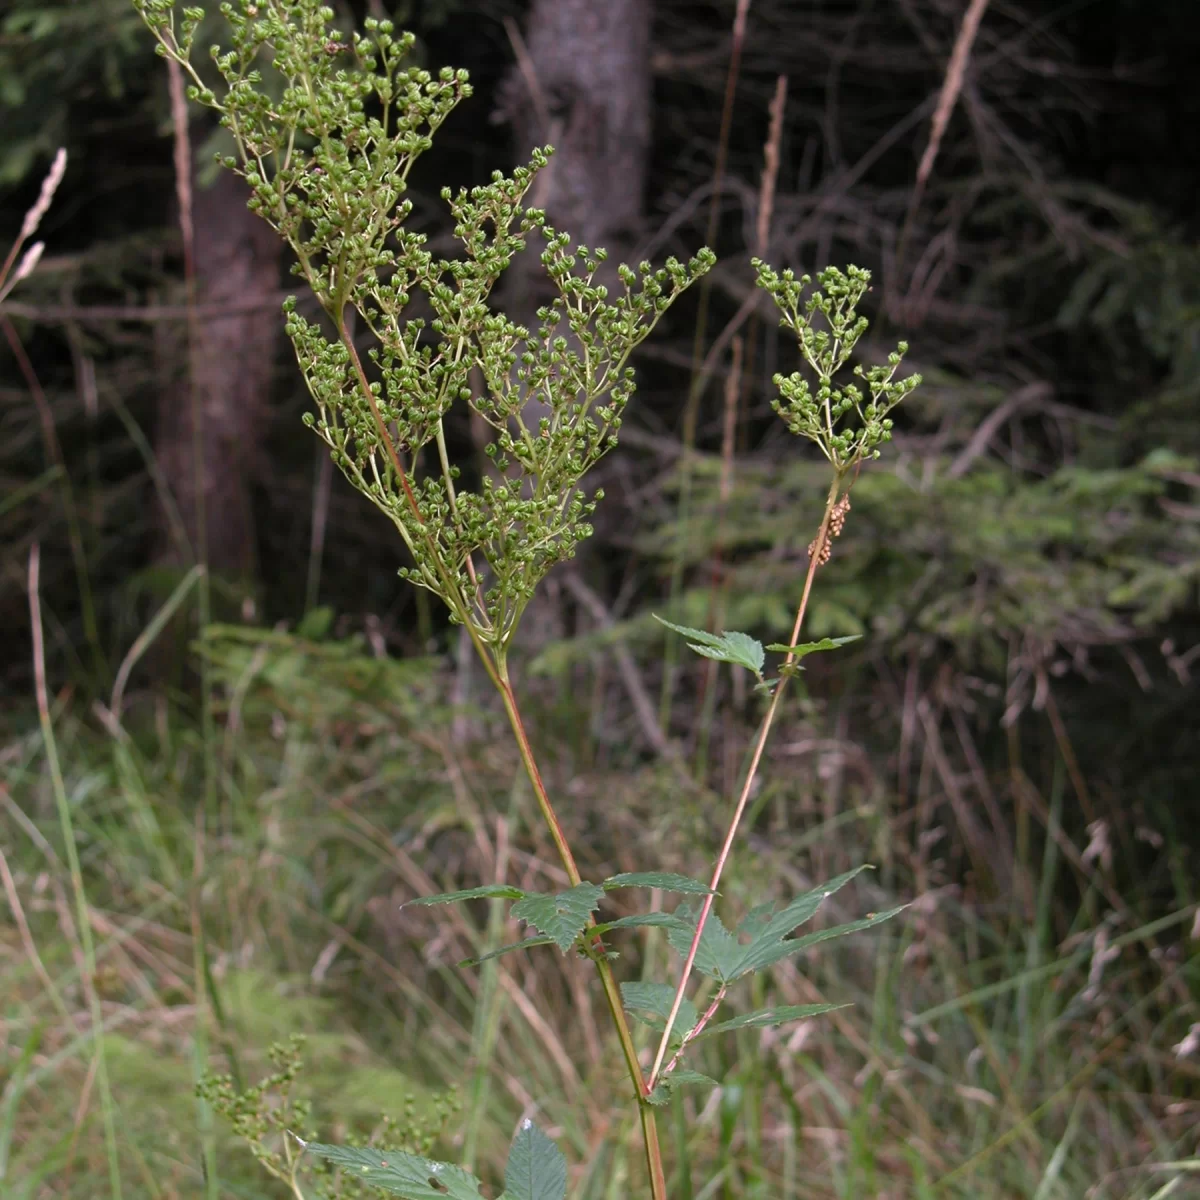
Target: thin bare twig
x,y
630,677
60,314
991,424
528,73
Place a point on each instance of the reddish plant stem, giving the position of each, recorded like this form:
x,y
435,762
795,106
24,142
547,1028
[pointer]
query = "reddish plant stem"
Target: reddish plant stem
x,y
759,746
380,427
696,1030
385,438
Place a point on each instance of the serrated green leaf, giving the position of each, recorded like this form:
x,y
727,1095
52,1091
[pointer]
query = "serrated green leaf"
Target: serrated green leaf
x,y
717,955
744,651
400,1174
804,907
696,635
636,920
490,891
524,944
764,953
755,921
651,1004
737,649
677,1079
536,1167
769,1016
663,880
804,648
562,916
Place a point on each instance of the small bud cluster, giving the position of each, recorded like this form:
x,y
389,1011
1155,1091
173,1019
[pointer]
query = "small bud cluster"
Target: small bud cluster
x,y
263,1114
271,1120
837,521
327,130
820,415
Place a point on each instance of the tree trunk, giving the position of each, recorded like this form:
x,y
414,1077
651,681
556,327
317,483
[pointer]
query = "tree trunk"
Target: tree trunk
x,y
582,83
208,435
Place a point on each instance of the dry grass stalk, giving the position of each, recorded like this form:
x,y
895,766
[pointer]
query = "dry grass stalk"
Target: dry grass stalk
x,y
183,165
956,71
627,667
951,88
29,226
766,195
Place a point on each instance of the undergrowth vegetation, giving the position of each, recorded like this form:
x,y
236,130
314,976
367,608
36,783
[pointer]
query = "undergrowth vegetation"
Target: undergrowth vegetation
x,y
317,927
1015,1044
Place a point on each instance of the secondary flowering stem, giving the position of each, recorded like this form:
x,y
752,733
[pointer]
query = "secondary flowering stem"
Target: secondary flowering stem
x,y
814,560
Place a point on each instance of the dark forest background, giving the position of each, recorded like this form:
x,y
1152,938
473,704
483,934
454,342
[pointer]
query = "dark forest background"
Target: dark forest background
x,y
1014,739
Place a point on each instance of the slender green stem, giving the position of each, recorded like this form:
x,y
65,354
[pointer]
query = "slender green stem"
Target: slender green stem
x,y
612,993
82,915
209,817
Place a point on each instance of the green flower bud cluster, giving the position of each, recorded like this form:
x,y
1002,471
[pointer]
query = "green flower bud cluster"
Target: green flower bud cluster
x,y
327,129
821,415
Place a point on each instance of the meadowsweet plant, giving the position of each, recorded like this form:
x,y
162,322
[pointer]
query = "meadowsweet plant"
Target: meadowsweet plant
x,y
327,128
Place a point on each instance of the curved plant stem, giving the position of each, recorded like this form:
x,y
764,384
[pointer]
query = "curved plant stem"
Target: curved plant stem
x,y
764,731
612,993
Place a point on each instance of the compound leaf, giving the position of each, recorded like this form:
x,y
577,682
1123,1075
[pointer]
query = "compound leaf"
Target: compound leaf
x,y
801,649
738,649
694,635
801,909
741,650
562,916
651,1004
677,1079
536,1167
401,1174
663,880
718,953
766,952
490,891
523,944
635,920
769,1016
